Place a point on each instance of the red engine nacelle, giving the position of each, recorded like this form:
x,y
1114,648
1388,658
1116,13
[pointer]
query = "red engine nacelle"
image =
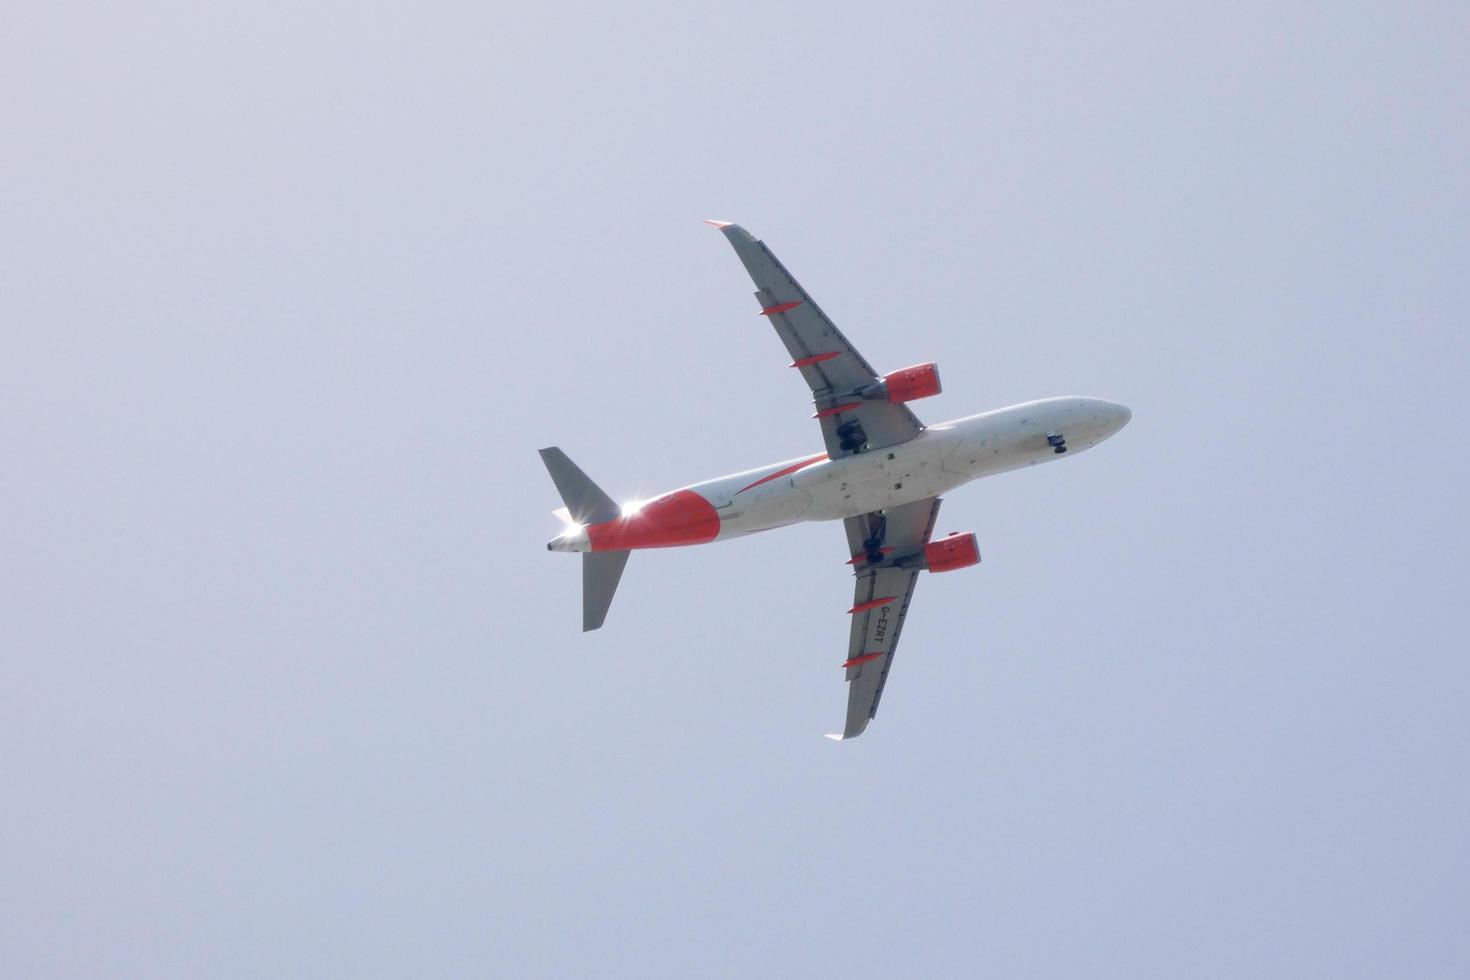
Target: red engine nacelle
x,y
955,551
911,383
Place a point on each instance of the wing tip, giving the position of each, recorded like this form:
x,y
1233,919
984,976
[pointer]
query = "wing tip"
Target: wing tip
x,y
732,231
835,737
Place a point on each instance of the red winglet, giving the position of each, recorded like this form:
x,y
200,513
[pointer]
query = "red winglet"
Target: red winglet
x,y
861,660
780,308
817,358
857,558
872,604
837,410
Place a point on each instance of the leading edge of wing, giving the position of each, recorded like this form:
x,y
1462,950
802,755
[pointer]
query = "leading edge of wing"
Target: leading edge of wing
x,y
834,370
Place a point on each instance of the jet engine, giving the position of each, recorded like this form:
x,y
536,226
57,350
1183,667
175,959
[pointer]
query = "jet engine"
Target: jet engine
x,y
947,554
906,384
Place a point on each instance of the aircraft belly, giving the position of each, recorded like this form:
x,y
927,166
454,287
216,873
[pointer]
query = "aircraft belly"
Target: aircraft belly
x,y
1015,437
880,479
771,506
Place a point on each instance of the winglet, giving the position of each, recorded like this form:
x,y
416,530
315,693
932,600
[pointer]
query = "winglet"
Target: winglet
x,y
737,235
833,736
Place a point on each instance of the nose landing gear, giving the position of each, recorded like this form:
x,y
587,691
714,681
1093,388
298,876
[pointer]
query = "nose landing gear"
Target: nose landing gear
x,y
1057,442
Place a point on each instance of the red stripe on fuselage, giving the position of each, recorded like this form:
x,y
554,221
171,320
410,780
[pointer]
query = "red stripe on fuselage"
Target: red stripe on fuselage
x,y
780,473
678,518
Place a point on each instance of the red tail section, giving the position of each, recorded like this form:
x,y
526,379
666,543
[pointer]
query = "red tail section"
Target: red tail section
x,y
681,517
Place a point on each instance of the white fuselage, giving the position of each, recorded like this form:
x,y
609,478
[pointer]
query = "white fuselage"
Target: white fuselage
x,y
940,458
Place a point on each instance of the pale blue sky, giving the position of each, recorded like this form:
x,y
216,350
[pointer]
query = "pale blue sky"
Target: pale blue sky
x,y
291,297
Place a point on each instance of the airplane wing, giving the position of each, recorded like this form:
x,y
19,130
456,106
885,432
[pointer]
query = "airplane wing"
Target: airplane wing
x,y
832,367
880,601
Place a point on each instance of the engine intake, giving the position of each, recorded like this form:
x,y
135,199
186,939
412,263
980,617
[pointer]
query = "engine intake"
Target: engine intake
x,y
955,551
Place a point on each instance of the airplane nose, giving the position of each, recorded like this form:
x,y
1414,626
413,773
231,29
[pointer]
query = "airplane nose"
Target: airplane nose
x,y
1110,417
1118,415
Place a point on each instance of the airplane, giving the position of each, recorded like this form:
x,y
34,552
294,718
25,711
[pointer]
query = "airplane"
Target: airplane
x,y
882,475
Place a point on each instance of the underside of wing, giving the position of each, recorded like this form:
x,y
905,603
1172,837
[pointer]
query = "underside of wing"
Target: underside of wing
x,y
833,369
881,598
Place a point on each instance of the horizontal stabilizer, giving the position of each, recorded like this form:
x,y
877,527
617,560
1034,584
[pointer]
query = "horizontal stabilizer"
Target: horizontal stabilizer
x,y
585,500
601,572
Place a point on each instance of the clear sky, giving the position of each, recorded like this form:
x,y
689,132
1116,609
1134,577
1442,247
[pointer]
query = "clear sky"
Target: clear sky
x,y
291,295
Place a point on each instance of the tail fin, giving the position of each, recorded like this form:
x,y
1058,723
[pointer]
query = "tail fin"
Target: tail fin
x,y
587,504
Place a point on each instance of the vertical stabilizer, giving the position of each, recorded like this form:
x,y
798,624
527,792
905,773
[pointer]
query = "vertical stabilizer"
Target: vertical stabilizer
x,y
587,504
